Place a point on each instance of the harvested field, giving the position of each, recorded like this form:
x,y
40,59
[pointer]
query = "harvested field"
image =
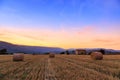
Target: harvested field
x,y
62,67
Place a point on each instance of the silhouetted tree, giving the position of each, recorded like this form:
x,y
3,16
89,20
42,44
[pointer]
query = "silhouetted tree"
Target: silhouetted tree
x,y
89,53
73,52
3,51
47,53
67,52
62,53
102,51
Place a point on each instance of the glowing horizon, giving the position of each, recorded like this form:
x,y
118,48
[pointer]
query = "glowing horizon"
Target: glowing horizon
x,y
62,23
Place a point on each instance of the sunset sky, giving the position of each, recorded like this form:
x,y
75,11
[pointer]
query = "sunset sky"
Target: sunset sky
x,y
61,23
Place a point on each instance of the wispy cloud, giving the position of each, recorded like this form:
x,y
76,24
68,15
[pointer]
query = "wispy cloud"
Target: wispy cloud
x,y
107,43
103,40
88,36
86,30
1,34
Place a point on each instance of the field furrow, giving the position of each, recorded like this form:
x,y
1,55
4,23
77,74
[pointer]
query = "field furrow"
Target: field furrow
x,y
115,72
62,67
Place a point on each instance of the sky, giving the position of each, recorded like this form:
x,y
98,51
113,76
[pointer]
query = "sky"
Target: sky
x,y
61,23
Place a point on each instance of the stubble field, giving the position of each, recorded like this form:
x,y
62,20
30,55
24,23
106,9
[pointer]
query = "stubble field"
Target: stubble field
x,y
62,67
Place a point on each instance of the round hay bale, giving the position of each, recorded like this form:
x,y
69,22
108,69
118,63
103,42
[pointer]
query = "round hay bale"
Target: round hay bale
x,y
51,55
18,57
97,55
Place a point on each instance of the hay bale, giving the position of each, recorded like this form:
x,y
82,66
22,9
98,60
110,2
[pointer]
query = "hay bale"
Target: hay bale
x,y
97,55
51,55
18,57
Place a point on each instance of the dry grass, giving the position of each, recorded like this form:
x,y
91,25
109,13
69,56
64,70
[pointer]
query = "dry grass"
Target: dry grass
x,y
63,67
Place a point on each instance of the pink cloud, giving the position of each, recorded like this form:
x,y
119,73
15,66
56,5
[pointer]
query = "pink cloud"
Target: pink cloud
x,y
66,38
87,29
103,40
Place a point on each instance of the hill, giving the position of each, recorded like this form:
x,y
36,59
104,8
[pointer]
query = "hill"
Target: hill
x,y
13,48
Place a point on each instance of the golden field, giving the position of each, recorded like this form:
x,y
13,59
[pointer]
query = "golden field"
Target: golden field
x,y
62,67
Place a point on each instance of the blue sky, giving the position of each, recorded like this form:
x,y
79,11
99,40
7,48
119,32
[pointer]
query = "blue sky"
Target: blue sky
x,y
57,12
103,16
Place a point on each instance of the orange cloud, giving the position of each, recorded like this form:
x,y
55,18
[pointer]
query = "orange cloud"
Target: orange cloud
x,y
87,37
103,40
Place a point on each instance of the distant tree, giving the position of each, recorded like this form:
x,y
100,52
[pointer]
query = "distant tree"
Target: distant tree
x,y
67,52
73,52
3,51
89,53
62,53
10,53
33,54
47,53
102,51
